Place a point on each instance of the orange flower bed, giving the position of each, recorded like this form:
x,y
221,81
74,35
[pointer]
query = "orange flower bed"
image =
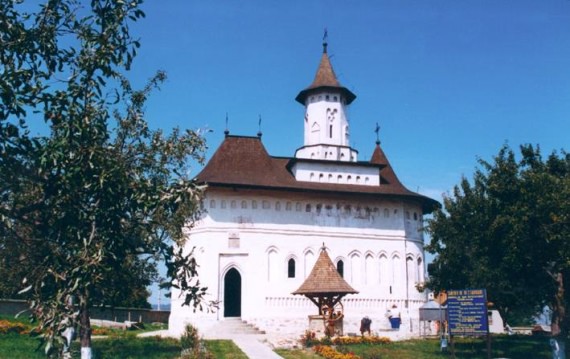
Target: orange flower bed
x,y
12,327
360,340
329,353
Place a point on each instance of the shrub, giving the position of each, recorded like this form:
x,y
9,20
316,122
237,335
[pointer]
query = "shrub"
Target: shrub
x,y
192,346
190,339
308,339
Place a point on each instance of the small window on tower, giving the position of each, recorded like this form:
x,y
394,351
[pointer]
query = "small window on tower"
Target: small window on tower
x,y
330,131
308,208
335,99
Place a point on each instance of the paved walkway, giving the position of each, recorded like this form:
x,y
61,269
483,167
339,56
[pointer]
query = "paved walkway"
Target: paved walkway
x,y
253,346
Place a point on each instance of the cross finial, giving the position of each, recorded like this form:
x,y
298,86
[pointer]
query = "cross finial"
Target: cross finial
x,y
226,132
325,40
377,130
259,126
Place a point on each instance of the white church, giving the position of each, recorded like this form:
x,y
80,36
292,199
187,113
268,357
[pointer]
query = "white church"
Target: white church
x,y
266,218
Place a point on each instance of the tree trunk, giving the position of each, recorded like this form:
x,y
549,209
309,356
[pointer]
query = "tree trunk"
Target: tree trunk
x,y
559,320
85,327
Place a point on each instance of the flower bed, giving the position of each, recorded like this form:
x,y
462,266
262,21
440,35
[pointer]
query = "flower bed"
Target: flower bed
x,y
12,327
360,340
330,353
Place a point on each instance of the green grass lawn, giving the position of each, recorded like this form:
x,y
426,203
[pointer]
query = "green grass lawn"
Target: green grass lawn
x,y
124,345
14,346
514,347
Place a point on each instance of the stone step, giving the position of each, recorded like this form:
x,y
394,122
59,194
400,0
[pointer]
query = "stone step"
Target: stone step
x,y
236,326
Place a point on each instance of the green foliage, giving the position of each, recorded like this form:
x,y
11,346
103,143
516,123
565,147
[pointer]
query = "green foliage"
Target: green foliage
x,y
506,231
87,210
192,346
190,339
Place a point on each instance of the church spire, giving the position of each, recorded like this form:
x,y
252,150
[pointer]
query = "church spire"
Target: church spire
x,y
325,79
326,123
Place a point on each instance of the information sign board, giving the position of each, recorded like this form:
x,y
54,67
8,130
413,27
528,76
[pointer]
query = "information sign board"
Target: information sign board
x,y
467,312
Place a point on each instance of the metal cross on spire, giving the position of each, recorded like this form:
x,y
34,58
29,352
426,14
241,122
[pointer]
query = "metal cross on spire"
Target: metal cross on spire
x,y
259,125
227,131
377,130
325,40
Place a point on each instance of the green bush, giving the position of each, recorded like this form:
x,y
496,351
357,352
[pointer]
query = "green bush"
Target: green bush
x,y
192,346
190,339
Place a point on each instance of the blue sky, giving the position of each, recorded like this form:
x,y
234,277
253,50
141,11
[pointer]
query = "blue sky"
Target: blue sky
x,y
448,81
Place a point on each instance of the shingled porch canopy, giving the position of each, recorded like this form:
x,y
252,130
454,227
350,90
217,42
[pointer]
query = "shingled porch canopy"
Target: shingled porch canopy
x,y
324,286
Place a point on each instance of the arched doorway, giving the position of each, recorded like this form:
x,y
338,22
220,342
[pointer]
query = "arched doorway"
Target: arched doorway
x,y
232,293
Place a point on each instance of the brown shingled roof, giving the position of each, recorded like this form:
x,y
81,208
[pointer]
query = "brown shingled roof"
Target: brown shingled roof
x,y
387,173
243,162
324,279
325,79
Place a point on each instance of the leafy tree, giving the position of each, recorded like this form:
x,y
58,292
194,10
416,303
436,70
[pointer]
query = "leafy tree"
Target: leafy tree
x,y
508,230
101,198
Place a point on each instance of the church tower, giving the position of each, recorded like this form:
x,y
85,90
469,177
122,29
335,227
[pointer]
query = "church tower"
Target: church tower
x,y
326,123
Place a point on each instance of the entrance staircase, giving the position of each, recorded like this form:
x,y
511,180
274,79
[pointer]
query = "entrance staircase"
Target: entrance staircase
x,y
228,328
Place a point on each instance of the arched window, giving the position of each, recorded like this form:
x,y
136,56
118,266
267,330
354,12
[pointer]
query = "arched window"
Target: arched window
x,y
340,268
355,272
369,273
396,272
271,265
309,262
420,274
291,268
383,270
411,271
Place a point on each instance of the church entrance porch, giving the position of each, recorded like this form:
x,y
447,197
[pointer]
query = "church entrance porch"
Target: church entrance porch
x,y
232,293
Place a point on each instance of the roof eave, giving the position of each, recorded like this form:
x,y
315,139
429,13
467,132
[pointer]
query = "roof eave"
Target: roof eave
x,y
302,96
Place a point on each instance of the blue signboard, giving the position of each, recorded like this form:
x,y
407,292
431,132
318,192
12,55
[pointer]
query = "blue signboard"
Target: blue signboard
x,y
467,312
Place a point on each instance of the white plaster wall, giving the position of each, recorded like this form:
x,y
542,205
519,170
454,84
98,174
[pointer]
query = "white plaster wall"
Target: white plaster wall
x,y
281,228
316,113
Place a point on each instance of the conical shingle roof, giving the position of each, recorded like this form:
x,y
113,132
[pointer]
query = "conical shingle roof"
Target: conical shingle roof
x,y
387,174
324,279
325,79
